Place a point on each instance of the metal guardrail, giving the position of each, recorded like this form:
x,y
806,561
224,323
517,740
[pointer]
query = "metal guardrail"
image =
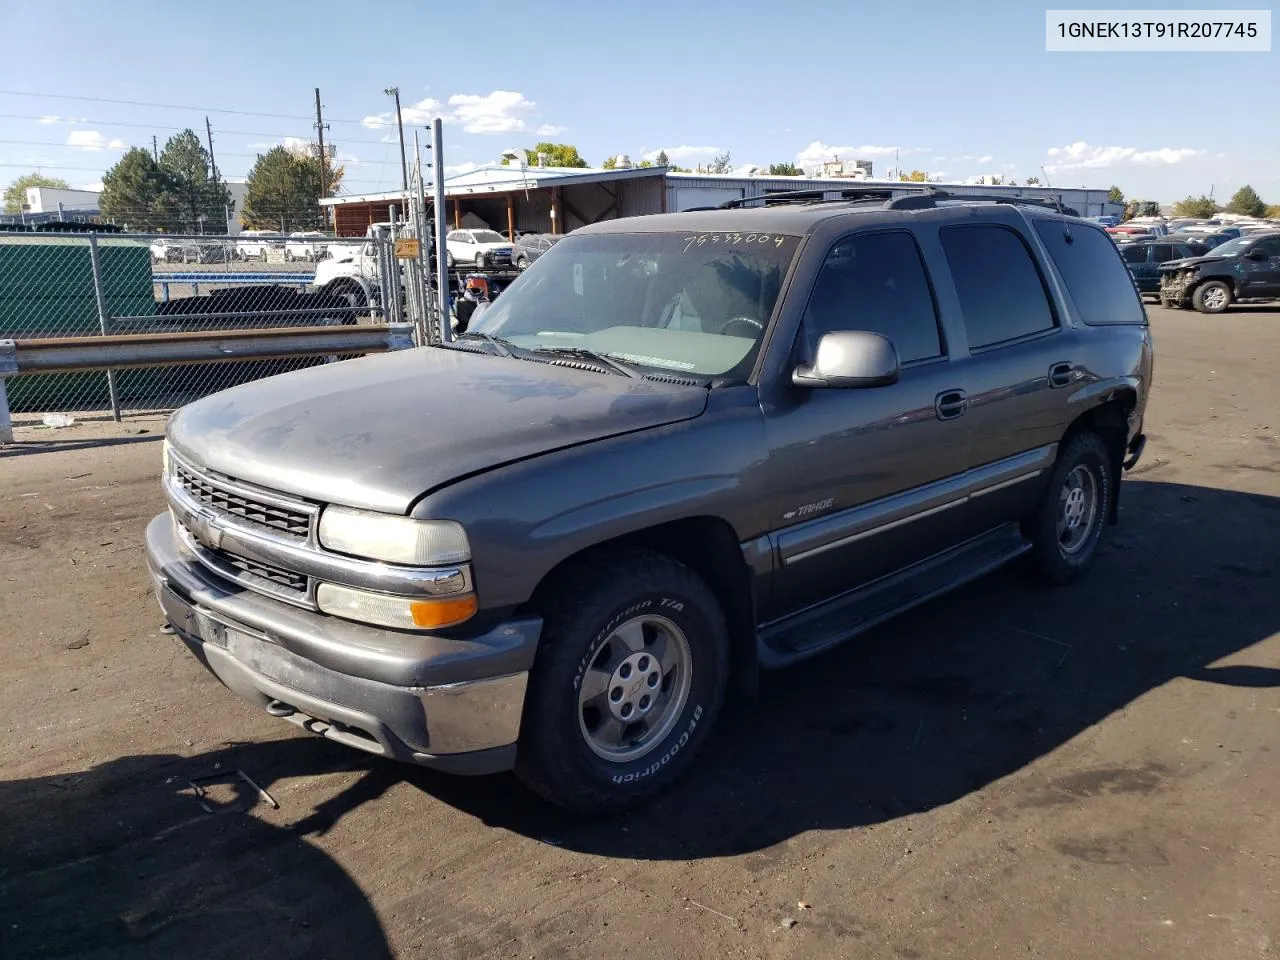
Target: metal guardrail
x,y
77,354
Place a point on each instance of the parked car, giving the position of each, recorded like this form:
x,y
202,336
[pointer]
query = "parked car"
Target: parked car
x,y
1144,257
530,246
306,245
1246,268
652,467
191,250
254,244
478,248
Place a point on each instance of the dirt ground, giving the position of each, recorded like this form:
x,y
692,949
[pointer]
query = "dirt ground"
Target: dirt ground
x,y
1009,771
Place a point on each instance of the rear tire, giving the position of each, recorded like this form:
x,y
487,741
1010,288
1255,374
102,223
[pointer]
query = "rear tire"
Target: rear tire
x,y
1067,526
628,681
1213,296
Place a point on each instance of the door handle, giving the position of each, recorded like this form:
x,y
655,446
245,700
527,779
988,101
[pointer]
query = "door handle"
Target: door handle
x,y
1061,375
950,404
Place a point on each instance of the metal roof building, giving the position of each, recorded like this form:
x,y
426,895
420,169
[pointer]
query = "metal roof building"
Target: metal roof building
x,y
513,199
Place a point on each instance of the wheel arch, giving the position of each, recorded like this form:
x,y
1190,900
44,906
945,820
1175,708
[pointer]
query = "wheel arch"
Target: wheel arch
x,y
1109,418
709,546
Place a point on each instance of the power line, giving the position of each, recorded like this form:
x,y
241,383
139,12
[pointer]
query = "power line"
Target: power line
x,y
153,126
164,106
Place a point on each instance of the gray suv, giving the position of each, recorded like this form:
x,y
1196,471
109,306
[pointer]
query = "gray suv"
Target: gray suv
x,y
686,448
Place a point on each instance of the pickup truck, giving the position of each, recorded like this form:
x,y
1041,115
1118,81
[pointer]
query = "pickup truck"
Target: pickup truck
x,y
679,450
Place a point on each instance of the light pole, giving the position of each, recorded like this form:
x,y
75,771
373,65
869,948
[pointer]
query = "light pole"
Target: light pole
x,y
394,93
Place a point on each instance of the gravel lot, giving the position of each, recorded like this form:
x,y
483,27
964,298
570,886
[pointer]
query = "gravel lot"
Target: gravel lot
x,y
1009,771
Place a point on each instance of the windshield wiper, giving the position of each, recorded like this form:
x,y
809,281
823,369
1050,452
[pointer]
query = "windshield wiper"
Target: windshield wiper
x,y
504,346
601,359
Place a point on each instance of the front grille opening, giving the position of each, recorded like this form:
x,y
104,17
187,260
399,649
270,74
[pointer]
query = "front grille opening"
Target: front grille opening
x,y
293,523
296,582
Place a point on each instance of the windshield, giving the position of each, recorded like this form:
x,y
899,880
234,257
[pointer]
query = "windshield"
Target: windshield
x,y
691,302
1233,247
488,236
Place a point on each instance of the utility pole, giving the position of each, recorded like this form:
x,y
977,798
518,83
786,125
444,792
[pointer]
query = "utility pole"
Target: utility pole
x,y
394,92
213,164
155,150
324,179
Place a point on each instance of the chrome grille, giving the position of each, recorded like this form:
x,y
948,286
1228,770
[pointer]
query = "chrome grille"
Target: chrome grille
x,y
293,523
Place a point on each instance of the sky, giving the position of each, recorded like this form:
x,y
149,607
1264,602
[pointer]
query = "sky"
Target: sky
x,y
951,88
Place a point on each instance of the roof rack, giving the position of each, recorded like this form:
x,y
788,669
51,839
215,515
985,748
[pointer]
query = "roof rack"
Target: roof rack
x,y
922,196
828,194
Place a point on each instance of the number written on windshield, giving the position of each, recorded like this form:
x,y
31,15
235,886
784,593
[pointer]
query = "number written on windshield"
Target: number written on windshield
x,y
731,239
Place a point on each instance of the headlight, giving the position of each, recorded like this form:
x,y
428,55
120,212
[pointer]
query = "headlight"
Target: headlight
x,y
401,613
380,536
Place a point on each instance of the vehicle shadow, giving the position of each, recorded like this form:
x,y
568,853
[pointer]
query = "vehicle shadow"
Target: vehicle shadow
x,y
123,861
959,693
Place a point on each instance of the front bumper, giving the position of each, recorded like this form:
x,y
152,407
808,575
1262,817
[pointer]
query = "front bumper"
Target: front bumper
x,y
441,702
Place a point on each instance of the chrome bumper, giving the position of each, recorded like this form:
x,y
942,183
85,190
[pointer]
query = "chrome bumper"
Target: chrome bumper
x,y
451,704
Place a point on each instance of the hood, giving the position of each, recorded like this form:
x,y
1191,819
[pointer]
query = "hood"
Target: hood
x,y
1190,262
381,431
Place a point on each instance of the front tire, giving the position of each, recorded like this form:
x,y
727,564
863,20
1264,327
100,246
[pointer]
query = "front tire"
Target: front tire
x,y
1212,297
522,263
629,678
1067,526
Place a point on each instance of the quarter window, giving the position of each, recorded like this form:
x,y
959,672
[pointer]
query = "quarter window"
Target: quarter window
x,y
876,282
1002,295
1100,286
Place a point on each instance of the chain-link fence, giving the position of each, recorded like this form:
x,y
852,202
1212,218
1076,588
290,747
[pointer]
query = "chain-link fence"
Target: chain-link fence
x,y
57,286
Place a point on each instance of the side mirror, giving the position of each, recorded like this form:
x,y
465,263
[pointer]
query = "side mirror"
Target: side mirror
x,y
850,359
1257,254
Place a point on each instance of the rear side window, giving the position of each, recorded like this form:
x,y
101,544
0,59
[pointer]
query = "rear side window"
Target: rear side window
x,y
1133,253
1002,294
1098,282
1162,253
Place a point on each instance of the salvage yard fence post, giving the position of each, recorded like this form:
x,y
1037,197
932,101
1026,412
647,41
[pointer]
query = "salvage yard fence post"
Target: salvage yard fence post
x,y
104,318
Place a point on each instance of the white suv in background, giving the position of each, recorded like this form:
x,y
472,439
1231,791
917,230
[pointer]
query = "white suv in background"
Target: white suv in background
x,y
253,244
306,245
479,248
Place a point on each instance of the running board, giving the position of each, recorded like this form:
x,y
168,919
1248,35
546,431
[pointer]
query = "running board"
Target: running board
x,y
819,628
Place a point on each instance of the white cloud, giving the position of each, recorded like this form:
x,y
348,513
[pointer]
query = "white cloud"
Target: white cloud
x,y
454,169
985,158
502,111
684,154
92,141
1085,156
49,119
96,186
818,152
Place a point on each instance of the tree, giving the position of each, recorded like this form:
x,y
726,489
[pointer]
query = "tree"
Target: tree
x,y
610,163
915,176
645,163
1200,207
784,170
15,195
720,163
137,194
662,160
1247,202
1115,195
1033,181
1273,211
557,155
197,196
283,189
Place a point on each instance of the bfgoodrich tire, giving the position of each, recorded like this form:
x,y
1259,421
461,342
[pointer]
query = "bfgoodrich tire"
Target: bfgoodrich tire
x,y
628,681
1067,526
